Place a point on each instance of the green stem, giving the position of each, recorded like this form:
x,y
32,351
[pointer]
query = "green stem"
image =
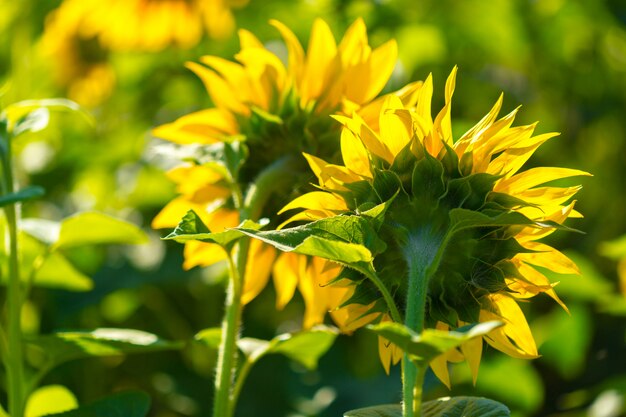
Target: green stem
x,y
227,355
422,253
391,304
275,177
241,379
15,364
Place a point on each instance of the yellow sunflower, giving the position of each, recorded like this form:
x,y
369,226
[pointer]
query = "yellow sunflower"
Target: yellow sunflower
x,y
276,110
436,182
148,25
77,64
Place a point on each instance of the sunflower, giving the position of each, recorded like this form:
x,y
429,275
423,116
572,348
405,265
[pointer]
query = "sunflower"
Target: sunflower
x,y
148,25
78,64
276,111
433,183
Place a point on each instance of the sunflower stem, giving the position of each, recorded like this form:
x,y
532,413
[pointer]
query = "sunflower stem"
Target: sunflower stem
x,y
421,253
14,361
227,354
227,384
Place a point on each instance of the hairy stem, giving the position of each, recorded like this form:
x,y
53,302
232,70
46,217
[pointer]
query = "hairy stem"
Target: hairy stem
x,y
421,252
227,355
275,177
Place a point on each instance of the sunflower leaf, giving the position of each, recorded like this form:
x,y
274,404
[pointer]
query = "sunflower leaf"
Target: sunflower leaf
x,y
348,240
389,410
465,407
122,404
27,193
62,347
442,407
93,228
191,227
431,343
304,347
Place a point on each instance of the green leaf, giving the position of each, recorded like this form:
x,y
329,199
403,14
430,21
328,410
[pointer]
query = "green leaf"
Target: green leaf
x,y
33,121
210,337
266,116
442,407
304,347
431,343
464,407
615,249
348,240
27,193
391,410
191,227
57,272
50,399
66,346
90,228
45,231
123,404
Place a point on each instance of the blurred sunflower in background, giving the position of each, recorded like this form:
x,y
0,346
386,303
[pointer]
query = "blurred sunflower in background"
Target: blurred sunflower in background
x,y
435,184
79,34
276,111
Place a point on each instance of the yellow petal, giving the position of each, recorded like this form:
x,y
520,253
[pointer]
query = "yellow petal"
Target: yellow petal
x,y
547,257
218,89
473,350
248,40
203,127
381,64
511,160
172,213
516,327
294,49
439,365
354,154
464,143
396,125
317,200
202,254
534,176
258,267
287,270
320,53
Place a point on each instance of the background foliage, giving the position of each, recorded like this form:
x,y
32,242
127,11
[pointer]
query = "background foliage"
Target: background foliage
x,y
565,61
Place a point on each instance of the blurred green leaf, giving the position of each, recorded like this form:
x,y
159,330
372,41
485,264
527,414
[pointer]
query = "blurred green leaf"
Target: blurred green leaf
x,y
33,121
57,272
615,249
210,337
91,228
589,286
50,399
429,344
25,194
464,407
46,231
123,404
512,381
565,339
66,346
391,410
442,407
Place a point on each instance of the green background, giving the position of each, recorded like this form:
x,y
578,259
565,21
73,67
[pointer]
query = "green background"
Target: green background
x,y
564,61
